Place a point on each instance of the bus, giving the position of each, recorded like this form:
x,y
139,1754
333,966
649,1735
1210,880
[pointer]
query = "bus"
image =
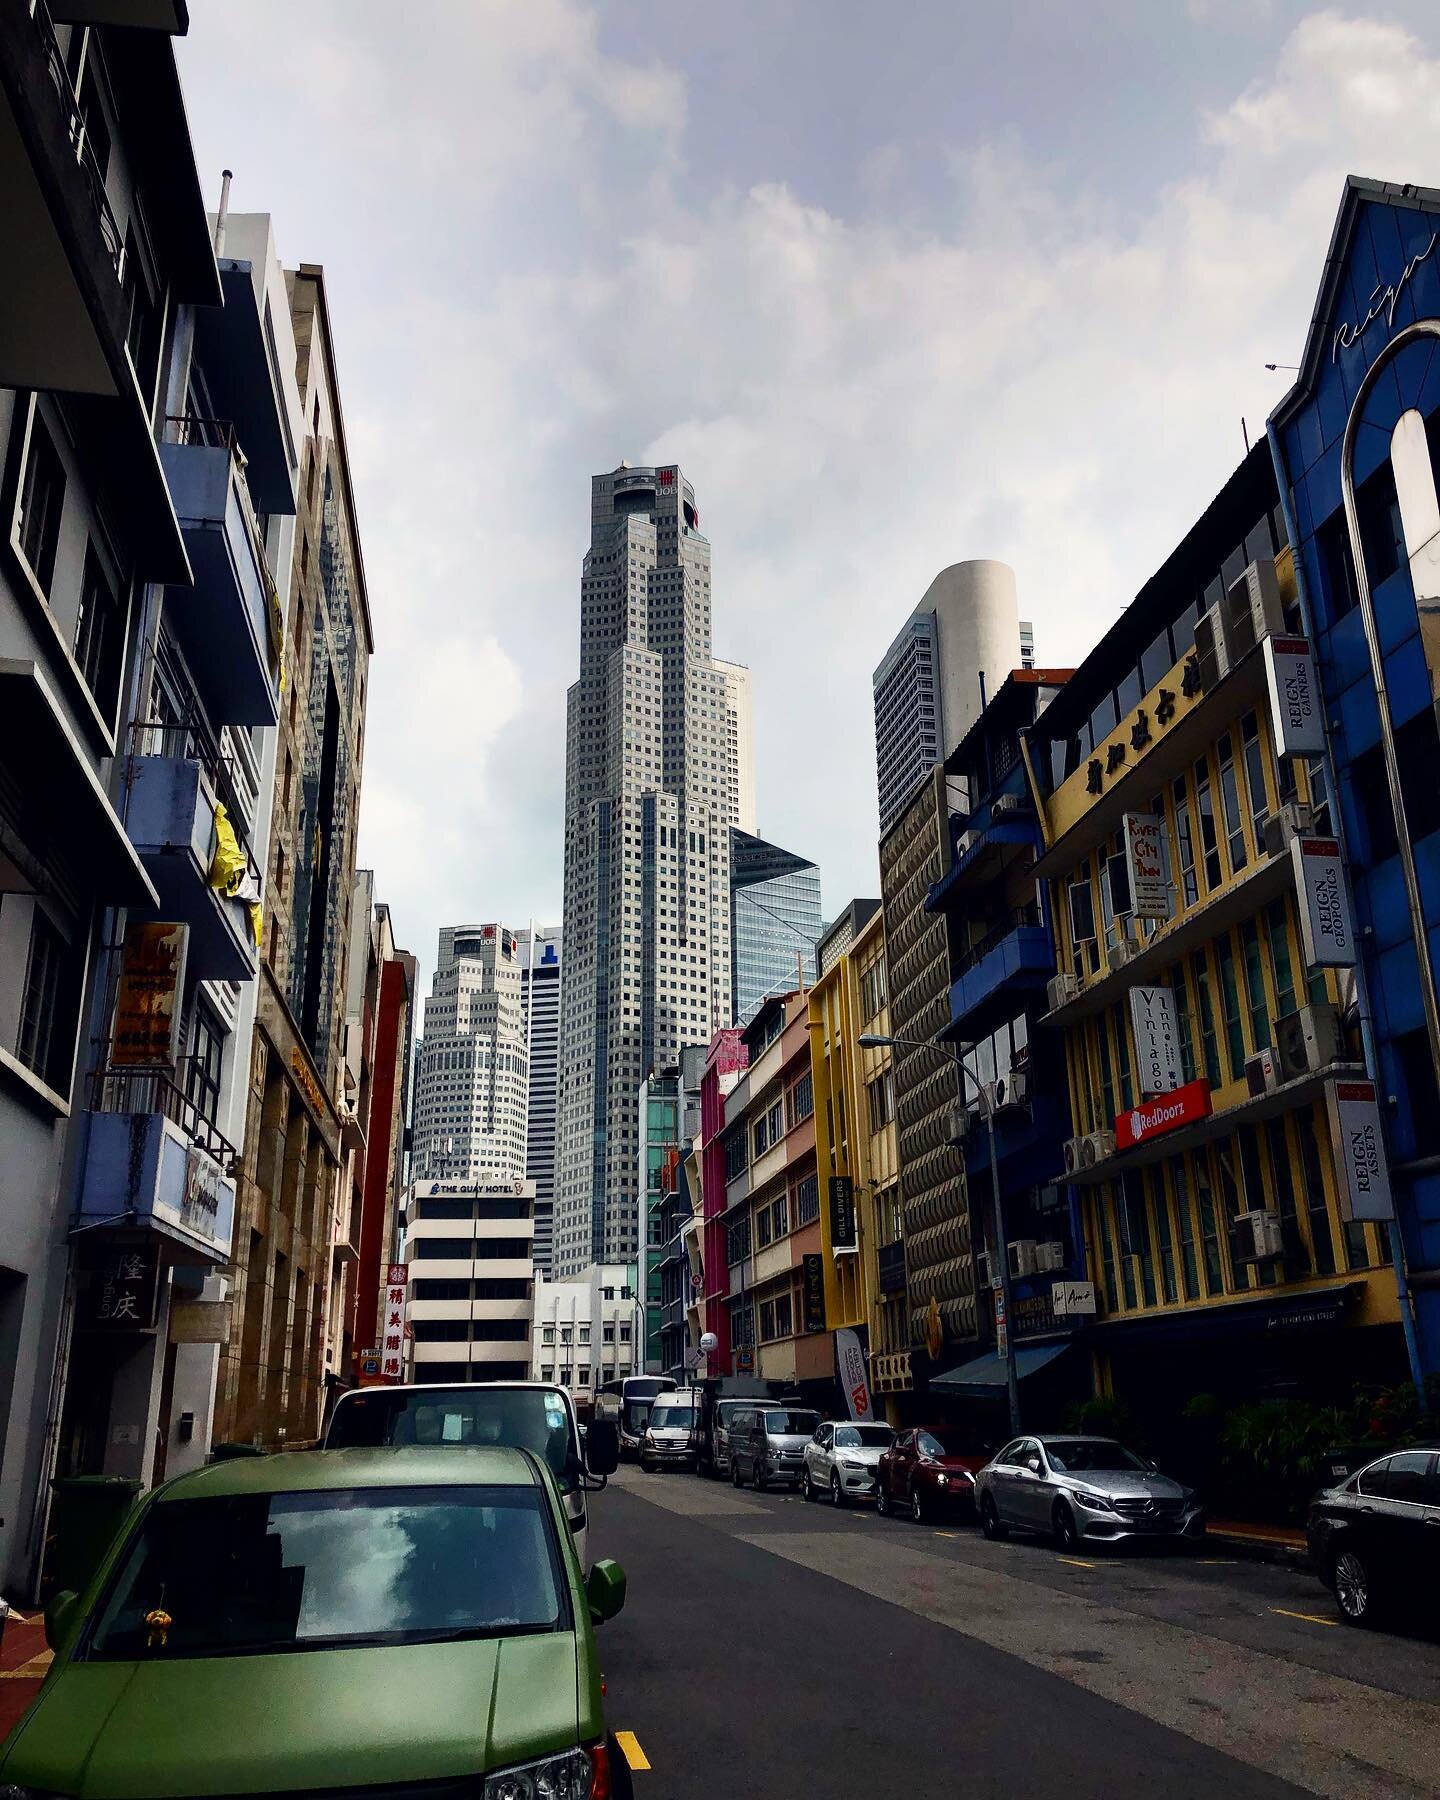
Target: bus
x,y
626,1402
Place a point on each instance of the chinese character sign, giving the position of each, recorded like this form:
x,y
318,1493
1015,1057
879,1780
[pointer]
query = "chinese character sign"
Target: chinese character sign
x,y
123,1289
392,1323
1145,865
1157,1044
147,1005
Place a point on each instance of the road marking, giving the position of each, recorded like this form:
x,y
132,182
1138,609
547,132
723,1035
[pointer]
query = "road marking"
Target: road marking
x,y
631,1751
1217,1562
1075,1562
1309,1618
947,1534
34,1670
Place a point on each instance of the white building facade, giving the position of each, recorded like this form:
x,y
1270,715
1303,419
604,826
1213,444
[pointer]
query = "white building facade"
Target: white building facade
x,y
587,1330
540,1011
469,1245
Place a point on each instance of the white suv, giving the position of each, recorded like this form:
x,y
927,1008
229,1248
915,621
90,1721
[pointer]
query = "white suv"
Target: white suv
x,y
841,1461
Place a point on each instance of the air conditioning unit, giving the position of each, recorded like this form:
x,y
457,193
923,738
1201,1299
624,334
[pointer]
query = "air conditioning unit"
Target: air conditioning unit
x,y
966,842
1074,1155
1258,1236
1308,1040
1006,806
1010,1091
1020,1254
1211,650
982,1269
1278,830
959,1124
1262,1073
1122,951
1061,990
1253,608
1049,1257
1095,1146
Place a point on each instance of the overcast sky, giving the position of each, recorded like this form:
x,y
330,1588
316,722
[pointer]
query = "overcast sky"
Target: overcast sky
x,y
896,286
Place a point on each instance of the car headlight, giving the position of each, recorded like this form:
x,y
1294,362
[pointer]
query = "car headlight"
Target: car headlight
x,y
941,1480
849,1462
572,1775
1094,1502
10,1792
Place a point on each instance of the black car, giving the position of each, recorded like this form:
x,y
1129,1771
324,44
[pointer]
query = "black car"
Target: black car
x,y
1375,1538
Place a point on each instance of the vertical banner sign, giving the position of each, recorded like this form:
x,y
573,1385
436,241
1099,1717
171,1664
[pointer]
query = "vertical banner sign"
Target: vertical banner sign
x,y
1002,1322
1325,927
1294,697
813,1285
148,1004
1355,1127
854,1382
1144,835
842,1213
1157,1047
124,1291
392,1328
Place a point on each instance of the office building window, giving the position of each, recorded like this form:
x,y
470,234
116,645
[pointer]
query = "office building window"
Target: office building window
x,y
48,1005
99,636
1230,801
42,494
207,1053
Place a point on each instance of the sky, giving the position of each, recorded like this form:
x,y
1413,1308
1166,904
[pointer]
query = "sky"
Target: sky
x,y
895,286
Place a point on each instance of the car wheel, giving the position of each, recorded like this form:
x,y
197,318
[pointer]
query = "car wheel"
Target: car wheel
x,y
837,1493
882,1501
734,1473
1067,1537
1354,1587
990,1522
757,1478
807,1487
918,1509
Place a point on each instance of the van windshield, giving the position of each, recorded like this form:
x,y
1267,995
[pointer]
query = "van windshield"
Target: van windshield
x,y
682,1417
791,1424
523,1418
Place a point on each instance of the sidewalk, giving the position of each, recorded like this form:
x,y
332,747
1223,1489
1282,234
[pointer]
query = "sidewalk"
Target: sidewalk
x,y
23,1662
1267,1543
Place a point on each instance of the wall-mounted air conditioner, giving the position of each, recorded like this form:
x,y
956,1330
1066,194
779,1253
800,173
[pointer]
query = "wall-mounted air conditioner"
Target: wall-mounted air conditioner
x,y
1095,1146
1012,1090
1262,1073
1278,830
1308,1040
1258,1236
959,1127
1211,650
1252,608
1006,806
1020,1253
1074,1149
1060,990
1049,1257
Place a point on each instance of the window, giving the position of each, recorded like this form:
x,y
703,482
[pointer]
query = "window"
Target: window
x,y
1183,1027
807,1201
801,1099
872,990
776,1320
1189,1269
1230,1001
1277,938
1255,985
1382,536
1209,1229
42,493
99,635
1185,843
1230,801
1205,808
881,1095
1253,752
207,1051
47,1005
547,1335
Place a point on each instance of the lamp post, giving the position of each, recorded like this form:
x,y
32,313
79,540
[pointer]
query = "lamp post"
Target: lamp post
x,y
875,1041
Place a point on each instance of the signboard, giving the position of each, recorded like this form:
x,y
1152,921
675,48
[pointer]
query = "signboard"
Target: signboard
x,y
148,1005
392,1322
1073,1299
1355,1128
200,1322
479,1190
124,1289
200,1206
842,1214
1154,1117
1002,1322
367,1368
854,1383
744,1360
1157,1045
1325,927
304,1080
813,1291
1143,835
1294,697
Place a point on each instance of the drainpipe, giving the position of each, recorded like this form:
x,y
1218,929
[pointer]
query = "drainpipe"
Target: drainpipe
x,y
220,216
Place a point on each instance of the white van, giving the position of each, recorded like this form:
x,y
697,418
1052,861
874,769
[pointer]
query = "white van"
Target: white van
x,y
526,1415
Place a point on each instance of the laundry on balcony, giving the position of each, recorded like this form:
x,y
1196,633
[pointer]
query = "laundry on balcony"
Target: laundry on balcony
x,y
232,875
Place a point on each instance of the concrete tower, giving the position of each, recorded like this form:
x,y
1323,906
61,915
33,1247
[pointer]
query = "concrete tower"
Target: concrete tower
x,y
540,1008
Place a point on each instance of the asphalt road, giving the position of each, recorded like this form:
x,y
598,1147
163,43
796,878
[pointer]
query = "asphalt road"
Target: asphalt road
x,y
773,1648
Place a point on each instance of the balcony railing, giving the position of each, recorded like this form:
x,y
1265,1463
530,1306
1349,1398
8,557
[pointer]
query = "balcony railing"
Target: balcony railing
x,y
1021,917
193,742
79,137
154,1091
220,434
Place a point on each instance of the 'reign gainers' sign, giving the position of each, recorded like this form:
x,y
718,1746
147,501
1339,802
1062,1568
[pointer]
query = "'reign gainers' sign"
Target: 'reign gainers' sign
x,y
1325,928
1294,697
1355,1127
1157,1045
1144,836
854,1382
1168,1113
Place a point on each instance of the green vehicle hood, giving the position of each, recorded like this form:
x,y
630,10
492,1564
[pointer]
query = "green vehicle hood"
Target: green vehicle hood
x,y
314,1718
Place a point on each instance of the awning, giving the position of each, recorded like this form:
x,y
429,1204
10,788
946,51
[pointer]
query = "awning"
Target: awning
x,y
983,1375
1269,1315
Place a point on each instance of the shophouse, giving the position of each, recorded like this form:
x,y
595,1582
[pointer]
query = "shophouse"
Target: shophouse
x,y
587,1330
725,1063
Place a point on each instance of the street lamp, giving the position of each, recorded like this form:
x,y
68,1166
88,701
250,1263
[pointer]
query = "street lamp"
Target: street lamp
x,y
872,1040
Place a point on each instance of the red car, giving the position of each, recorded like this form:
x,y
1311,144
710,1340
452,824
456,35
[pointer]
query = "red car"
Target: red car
x,y
930,1470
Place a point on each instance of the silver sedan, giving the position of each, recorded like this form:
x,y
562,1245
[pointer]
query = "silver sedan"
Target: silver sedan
x,y
1081,1490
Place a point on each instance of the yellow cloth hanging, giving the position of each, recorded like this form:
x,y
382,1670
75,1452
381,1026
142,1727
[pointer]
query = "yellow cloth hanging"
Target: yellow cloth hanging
x,y
228,865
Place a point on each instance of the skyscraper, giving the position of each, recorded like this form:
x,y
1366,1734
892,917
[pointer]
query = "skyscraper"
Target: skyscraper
x,y
739,738
540,1011
472,1070
651,791
928,684
774,919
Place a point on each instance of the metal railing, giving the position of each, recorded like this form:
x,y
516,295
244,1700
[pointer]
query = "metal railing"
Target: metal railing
x,y
1013,921
155,1091
195,428
192,742
219,434
75,130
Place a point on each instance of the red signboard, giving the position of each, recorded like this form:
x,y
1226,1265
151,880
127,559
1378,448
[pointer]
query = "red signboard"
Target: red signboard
x,y
1181,1107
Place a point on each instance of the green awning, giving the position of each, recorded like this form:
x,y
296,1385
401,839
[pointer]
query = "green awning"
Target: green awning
x,y
983,1376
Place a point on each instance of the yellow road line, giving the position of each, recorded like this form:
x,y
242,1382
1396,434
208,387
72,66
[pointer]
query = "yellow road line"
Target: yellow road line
x,y
631,1751
1217,1562
1075,1562
949,1534
1309,1618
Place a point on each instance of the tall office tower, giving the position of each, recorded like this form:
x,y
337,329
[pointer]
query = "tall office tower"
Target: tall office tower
x,y
472,1072
928,688
1027,644
739,738
540,1011
651,791
774,919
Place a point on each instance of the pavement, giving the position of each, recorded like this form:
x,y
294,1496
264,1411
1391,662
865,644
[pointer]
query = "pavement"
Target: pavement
x,y
770,1647
23,1662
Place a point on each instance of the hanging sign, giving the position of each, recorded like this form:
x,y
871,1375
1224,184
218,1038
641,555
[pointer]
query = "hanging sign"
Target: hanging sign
x,y
1182,1107
1294,697
1073,1299
1325,927
842,1213
813,1289
148,1005
1355,1128
124,1290
854,1382
1144,839
1157,1044
392,1323
1002,1320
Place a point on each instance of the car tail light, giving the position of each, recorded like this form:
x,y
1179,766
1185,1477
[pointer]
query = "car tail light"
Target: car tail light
x,y
601,1787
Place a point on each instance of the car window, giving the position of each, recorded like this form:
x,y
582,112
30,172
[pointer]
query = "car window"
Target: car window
x,y
791,1424
664,1417
307,1571
1406,1480
1374,1481
869,1437
950,1441
525,1418
1430,1484
1012,1451
903,1441
1077,1455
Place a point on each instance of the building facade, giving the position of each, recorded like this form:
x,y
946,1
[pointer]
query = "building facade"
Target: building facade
x,y
651,795
469,1244
739,739
587,1331
540,1011
775,922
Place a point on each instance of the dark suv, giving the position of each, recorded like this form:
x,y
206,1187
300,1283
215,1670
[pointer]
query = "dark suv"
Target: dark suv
x,y
1375,1538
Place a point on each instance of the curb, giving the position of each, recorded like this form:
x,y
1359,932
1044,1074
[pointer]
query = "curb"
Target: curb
x,y
1261,1549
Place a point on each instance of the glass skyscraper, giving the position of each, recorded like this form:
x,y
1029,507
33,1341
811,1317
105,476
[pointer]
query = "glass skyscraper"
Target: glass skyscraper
x,y
774,917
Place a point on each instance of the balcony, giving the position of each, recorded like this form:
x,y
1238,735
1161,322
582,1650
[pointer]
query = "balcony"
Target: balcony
x,y
1016,956
891,1260
174,787
230,622
982,854
155,1161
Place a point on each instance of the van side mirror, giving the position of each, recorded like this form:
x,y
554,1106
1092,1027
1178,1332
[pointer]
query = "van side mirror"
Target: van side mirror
x,y
62,1615
605,1590
602,1447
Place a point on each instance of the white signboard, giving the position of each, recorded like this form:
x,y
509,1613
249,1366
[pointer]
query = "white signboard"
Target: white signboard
x,y
854,1382
1355,1126
1144,835
1072,1299
392,1322
1325,926
1294,697
1157,1043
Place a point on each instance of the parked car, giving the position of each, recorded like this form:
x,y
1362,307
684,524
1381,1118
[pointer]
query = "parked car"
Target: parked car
x,y
840,1461
767,1444
670,1439
930,1470
326,1621
715,1439
1375,1538
1082,1490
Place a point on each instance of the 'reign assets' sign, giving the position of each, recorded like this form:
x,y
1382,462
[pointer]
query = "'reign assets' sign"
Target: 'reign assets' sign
x,y
1144,836
1325,927
1157,1045
1355,1127
1294,697
1168,1113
